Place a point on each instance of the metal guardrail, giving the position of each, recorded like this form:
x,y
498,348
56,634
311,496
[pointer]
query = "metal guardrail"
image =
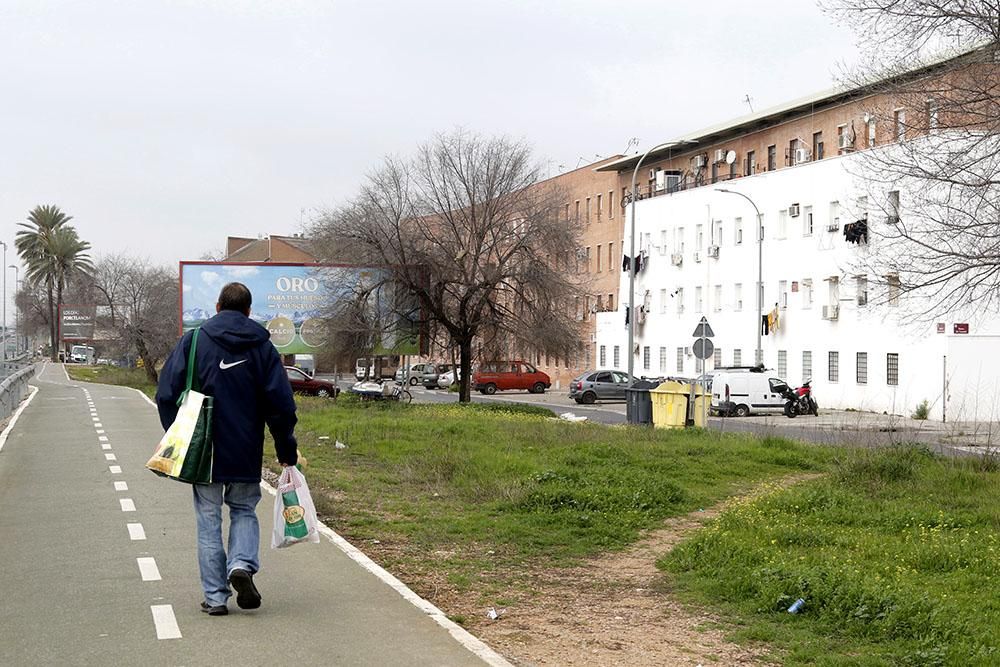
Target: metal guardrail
x,y
13,390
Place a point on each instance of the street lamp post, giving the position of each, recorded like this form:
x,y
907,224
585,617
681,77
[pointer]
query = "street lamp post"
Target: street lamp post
x,y
760,269
631,268
17,323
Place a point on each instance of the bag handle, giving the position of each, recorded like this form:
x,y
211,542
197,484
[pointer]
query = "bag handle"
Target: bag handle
x,y
192,377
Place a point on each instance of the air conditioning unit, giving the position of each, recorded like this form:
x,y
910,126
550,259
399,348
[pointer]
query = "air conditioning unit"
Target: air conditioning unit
x,y
713,251
801,155
720,155
893,220
699,161
833,227
862,299
697,257
677,259
794,210
831,312
661,179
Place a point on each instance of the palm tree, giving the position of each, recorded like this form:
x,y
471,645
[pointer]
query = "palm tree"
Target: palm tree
x,y
51,251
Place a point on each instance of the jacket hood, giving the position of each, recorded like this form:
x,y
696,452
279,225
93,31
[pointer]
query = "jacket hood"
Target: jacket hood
x,y
235,331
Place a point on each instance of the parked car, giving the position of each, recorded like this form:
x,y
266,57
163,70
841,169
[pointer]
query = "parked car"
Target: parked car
x,y
416,371
449,378
429,378
599,385
739,393
504,375
302,383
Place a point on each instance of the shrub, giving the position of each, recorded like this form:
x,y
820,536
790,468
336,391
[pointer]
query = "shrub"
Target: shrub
x,y
923,410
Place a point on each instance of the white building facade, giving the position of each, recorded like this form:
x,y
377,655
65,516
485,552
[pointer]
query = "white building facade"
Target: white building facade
x,y
701,260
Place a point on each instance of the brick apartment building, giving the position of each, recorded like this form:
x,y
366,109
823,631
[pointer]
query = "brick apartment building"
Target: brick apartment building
x,y
273,248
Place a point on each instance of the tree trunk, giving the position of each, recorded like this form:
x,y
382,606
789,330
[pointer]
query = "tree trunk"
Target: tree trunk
x,y
52,325
465,383
148,364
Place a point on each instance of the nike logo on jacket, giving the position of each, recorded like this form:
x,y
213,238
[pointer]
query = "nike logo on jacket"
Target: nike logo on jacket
x,y
223,365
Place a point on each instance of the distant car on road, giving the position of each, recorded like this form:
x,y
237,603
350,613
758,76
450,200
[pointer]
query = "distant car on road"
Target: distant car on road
x,y
599,385
505,375
416,371
448,378
429,378
302,383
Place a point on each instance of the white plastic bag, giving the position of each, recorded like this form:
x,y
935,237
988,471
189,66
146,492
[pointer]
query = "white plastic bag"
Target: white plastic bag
x,y
294,513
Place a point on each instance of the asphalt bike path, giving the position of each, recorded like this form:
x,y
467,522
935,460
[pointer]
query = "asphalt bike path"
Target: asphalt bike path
x,y
98,562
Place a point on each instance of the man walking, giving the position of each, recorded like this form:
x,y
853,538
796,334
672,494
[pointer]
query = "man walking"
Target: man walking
x,y
239,367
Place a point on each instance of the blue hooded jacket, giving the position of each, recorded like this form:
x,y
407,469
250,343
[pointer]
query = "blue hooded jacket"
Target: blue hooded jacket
x,y
239,367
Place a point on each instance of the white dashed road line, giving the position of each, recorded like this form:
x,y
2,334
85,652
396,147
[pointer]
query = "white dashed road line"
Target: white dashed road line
x,y
128,505
121,486
165,622
148,569
136,531
105,446
115,470
102,438
110,457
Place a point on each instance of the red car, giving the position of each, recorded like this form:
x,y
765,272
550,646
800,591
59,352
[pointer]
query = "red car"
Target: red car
x,y
303,384
510,375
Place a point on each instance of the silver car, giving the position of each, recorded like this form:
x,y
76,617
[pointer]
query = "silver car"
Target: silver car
x,y
599,385
416,371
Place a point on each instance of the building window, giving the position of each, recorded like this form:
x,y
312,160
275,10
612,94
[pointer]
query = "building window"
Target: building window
x,y
782,224
892,369
663,301
587,260
645,357
611,256
663,242
807,293
738,226
772,156
899,120
871,133
611,203
717,297
697,300
603,356
680,360
807,221
894,288
577,211
598,258
807,365
862,294
715,172
699,238
750,164
738,296
600,199
862,368
717,239
783,294
567,212
663,360
817,145
893,207
737,357
717,358
833,366
611,302
680,240
835,214
679,295
616,356
588,210
782,364
932,115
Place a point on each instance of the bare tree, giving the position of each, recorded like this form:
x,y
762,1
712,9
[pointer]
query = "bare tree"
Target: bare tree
x,y
931,70
466,228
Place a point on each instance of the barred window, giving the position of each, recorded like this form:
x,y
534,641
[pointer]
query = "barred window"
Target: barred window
x,y
862,375
717,358
617,357
680,360
663,360
645,357
603,356
783,364
807,365
737,357
833,366
892,369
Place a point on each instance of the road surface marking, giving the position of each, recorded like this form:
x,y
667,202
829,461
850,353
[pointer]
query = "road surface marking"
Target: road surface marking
x,y
165,621
136,531
99,425
99,431
13,419
106,446
115,470
96,419
143,394
110,457
121,486
148,569
102,438
66,372
128,505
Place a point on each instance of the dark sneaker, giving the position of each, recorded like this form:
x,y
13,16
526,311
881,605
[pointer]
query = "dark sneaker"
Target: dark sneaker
x,y
247,595
220,610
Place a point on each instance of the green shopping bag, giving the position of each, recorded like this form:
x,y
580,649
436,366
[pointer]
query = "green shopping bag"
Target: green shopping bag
x,y
185,451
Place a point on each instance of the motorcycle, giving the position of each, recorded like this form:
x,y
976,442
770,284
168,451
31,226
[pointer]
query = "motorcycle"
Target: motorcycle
x,y
800,401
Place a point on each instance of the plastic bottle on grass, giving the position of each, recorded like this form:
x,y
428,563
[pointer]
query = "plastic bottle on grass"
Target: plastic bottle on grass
x,y
797,606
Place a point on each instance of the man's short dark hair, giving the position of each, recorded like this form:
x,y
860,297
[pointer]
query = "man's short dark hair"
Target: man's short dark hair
x,y
235,296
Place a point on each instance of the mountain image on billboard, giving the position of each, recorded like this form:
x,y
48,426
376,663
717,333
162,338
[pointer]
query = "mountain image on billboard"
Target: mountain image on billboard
x,y
293,302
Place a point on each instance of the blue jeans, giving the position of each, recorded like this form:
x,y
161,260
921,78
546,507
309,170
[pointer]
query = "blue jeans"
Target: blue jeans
x,y
244,535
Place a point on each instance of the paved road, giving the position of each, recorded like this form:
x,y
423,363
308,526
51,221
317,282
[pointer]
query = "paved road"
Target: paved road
x,y
98,567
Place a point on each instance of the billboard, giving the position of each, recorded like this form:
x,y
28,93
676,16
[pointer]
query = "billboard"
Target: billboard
x,y
294,302
77,322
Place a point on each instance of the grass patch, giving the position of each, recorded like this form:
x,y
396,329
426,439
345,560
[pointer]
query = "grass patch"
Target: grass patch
x,y
475,492
126,377
897,555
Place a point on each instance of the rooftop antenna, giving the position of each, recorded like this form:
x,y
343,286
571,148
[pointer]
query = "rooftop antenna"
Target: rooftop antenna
x,y
634,141
749,101
581,160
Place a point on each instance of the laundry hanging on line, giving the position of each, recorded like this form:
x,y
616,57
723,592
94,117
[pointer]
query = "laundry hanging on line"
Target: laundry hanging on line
x,y
640,262
856,232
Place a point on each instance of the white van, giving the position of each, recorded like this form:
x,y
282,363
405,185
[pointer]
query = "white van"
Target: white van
x,y
742,393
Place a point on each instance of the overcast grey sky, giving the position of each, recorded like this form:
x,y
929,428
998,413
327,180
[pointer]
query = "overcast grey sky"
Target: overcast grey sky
x,y
163,127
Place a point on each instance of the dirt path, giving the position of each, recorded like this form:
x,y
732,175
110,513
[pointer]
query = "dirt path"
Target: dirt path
x,y
614,610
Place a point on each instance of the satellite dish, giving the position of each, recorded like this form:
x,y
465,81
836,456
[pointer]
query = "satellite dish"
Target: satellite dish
x,y
730,157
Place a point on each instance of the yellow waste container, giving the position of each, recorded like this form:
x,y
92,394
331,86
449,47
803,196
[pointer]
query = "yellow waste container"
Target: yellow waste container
x,y
670,404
